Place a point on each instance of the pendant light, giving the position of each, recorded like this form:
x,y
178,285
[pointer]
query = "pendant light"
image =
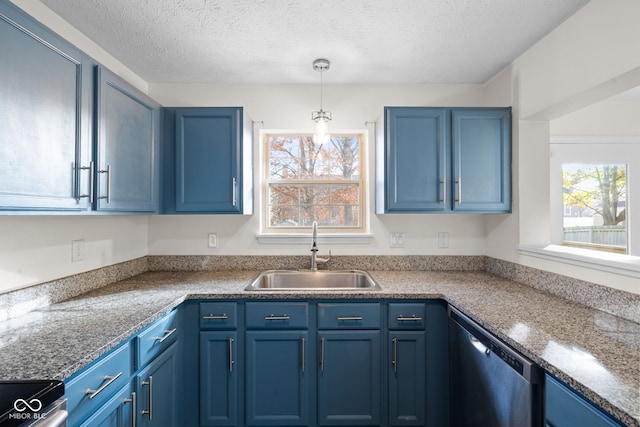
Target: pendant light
x,y
321,118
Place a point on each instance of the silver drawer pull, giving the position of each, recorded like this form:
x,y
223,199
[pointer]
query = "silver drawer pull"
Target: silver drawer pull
x,y
343,318
133,408
394,362
216,317
413,318
280,317
166,335
108,172
109,380
231,361
149,412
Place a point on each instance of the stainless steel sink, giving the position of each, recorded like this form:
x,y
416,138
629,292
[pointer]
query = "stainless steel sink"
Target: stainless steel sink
x,y
273,280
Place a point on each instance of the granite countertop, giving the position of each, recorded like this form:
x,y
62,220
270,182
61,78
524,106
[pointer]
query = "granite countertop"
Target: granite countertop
x,y
596,353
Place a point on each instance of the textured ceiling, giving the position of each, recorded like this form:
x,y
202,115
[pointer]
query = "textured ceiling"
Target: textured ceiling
x,y
275,41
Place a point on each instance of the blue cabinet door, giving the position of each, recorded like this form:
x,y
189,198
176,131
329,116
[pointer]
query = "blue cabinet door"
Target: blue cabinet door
x,y
128,127
349,378
117,412
407,378
157,391
218,378
447,160
208,160
565,408
277,378
45,117
416,153
481,150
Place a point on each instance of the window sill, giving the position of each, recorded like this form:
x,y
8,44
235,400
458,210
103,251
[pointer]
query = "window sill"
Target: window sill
x,y
627,265
304,239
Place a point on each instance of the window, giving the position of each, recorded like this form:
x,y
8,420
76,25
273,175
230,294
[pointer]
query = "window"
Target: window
x,y
307,181
592,194
594,198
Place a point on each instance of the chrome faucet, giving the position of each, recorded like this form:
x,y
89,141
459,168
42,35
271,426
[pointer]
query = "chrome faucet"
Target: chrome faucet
x,y
315,260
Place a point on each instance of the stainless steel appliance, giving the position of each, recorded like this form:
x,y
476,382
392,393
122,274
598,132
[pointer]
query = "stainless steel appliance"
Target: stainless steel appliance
x,y
491,385
32,403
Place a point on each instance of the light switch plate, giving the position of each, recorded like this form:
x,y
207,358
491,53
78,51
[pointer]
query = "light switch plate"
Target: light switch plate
x,y
397,240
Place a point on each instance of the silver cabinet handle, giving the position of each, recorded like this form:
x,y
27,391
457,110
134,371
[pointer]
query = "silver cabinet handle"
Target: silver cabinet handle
x,y
322,355
108,172
233,192
444,191
459,183
215,317
413,318
90,168
345,318
133,408
149,382
394,362
109,380
231,361
302,344
274,317
166,335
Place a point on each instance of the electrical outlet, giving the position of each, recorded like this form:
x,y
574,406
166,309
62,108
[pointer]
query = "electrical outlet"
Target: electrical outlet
x,y
443,240
213,240
77,250
397,240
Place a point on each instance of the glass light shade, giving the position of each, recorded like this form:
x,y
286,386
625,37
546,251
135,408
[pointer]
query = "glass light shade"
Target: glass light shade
x,y
321,131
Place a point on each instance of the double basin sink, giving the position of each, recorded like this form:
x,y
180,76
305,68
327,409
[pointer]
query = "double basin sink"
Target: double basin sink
x,y
273,280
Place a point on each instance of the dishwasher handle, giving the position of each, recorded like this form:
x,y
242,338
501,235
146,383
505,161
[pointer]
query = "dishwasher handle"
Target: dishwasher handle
x,y
478,345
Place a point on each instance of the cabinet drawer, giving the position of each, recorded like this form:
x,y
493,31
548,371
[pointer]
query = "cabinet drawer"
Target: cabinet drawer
x,y
157,337
98,382
218,315
349,316
277,315
407,316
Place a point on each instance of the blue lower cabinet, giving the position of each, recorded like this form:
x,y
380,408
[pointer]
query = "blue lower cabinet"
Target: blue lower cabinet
x,y
566,408
117,412
407,378
157,388
277,378
349,378
219,378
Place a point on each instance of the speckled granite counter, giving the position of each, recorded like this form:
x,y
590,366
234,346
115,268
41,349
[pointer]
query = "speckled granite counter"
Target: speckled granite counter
x,y
596,353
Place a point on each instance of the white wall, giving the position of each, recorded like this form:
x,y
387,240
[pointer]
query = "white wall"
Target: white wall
x,y
590,57
36,249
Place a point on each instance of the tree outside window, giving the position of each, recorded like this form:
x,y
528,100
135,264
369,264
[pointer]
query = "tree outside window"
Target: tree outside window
x,y
595,206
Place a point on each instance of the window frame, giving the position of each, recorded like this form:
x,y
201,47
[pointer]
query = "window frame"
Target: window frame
x,y
266,230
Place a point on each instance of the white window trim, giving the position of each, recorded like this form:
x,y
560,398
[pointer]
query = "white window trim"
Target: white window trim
x,y
300,237
627,265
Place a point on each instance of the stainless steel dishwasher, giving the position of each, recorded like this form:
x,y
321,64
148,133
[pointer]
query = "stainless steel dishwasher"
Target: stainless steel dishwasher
x,y
491,385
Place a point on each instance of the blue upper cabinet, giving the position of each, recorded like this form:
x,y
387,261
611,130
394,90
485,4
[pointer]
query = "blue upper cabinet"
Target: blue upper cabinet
x,y
45,118
127,147
208,165
445,160
416,159
481,152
